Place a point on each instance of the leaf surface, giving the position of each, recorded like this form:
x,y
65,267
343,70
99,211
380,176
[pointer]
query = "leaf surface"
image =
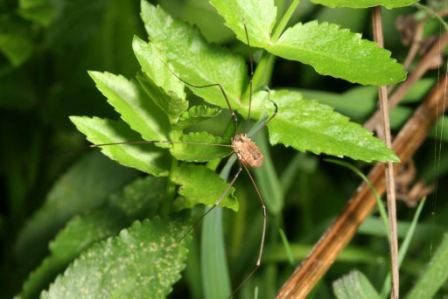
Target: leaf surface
x,y
144,157
257,15
194,60
196,114
200,147
307,125
339,53
143,261
134,106
365,3
355,285
200,185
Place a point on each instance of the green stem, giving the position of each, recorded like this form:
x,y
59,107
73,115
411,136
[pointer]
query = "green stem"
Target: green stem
x,y
285,19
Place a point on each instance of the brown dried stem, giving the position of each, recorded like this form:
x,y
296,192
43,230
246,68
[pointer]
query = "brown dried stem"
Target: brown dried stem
x,y
324,253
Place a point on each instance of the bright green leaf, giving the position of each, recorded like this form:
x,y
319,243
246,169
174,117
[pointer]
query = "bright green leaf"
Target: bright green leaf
x,y
200,147
339,53
197,114
257,15
144,157
200,185
365,3
163,87
194,60
134,106
143,261
355,285
138,200
307,125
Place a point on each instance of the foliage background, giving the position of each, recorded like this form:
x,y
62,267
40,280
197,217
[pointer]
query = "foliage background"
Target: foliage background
x,y
46,82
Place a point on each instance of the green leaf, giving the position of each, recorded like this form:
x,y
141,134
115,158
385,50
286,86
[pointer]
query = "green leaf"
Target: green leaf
x,y
200,185
435,275
39,11
339,53
138,199
194,60
163,87
15,39
196,114
83,187
258,16
144,157
134,106
365,3
355,285
200,147
307,125
143,261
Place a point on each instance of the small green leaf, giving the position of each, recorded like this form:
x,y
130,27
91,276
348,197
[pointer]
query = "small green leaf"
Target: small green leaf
x,y
138,200
196,114
365,3
200,185
144,157
200,147
258,16
339,53
15,39
134,106
355,285
307,125
164,88
194,60
143,261
435,275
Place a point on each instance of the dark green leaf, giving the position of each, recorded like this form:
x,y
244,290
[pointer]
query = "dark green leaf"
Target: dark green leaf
x,y
339,53
39,11
143,261
194,60
15,39
365,3
144,157
201,147
307,125
200,185
355,285
134,106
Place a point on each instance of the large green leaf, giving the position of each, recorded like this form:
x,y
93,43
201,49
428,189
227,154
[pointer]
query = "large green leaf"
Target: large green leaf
x,y
200,147
165,89
257,15
194,60
200,185
139,199
197,114
143,261
144,157
355,285
365,3
307,125
134,106
339,53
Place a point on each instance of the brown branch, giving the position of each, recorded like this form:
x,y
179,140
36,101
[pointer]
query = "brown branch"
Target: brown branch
x,y
324,253
423,66
377,25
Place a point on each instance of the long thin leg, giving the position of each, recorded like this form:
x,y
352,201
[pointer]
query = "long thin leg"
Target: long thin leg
x,y
263,233
272,116
251,65
217,202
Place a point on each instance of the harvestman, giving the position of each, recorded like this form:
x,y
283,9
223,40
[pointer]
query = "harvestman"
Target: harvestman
x,y
247,152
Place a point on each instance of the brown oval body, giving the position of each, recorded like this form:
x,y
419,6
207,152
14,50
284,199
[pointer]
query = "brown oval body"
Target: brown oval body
x,y
247,151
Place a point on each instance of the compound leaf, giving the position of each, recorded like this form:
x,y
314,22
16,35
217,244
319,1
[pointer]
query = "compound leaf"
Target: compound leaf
x,y
257,15
365,3
339,53
144,157
200,185
307,125
143,261
135,108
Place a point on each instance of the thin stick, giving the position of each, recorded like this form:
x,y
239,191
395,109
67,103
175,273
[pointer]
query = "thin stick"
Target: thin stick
x,y
334,240
390,182
263,233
